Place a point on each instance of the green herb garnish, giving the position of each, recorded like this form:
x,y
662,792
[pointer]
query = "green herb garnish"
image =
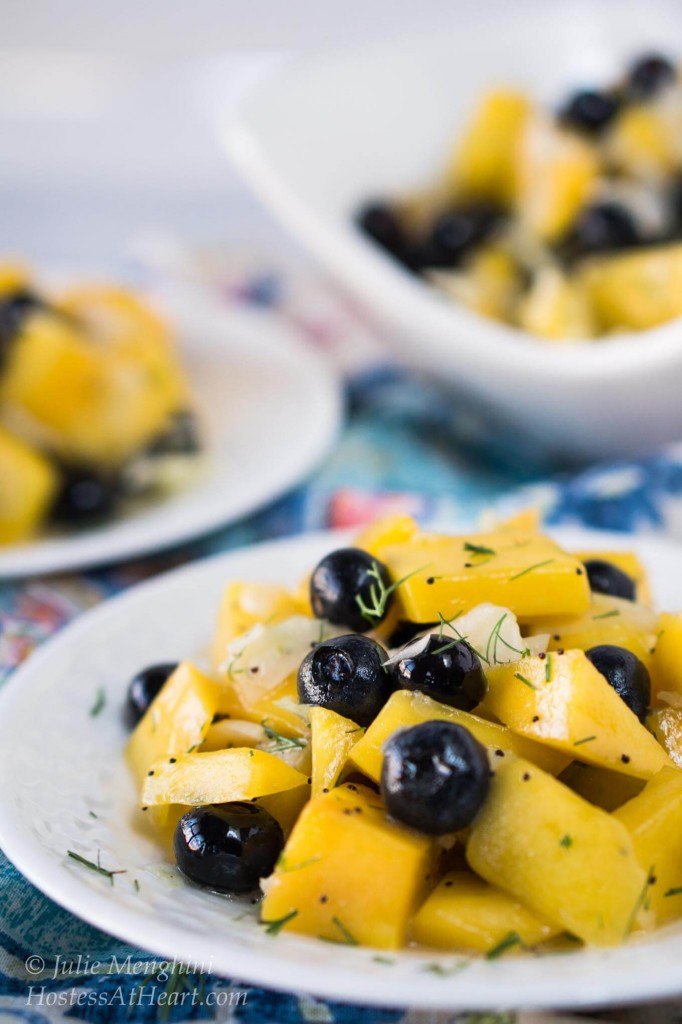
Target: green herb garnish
x,y
379,594
383,960
136,884
282,864
349,939
100,701
526,682
281,742
508,942
585,739
460,639
530,568
275,927
478,549
677,891
548,668
96,866
566,841
639,902
445,972
607,615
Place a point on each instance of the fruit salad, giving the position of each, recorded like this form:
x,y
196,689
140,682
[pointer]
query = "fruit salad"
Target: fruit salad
x,y
469,743
564,222
94,406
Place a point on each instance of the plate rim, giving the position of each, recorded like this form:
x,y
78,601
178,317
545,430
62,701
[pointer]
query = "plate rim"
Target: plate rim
x,y
241,328
276,972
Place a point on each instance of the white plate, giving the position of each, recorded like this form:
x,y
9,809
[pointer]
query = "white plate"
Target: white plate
x,y
65,763
269,409
328,133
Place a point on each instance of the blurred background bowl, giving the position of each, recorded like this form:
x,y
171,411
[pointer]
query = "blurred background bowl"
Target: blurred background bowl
x,y
322,135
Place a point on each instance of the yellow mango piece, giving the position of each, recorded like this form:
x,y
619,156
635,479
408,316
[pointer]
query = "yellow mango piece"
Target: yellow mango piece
x,y
395,529
571,863
600,786
14,276
556,307
29,483
666,726
176,722
245,605
217,777
527,573
286,807
232,732
483,163
635,290
114,316
463,912
528,520
558,171
332,737
562,700
319,886
489,283
653,820
666,668
629,563
406,707
644,142
609,620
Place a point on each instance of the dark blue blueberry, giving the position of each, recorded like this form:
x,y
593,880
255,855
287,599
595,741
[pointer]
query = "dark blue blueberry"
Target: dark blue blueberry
x,y
457,233
448,671
14,309
346,675
603,227
626,674
435,777
648,75
227,847
351,588
406,631
607,578
144,688
589,111
381,223
85,497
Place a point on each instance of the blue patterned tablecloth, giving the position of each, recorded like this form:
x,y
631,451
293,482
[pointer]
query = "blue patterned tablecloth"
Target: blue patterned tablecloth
x,y
405,447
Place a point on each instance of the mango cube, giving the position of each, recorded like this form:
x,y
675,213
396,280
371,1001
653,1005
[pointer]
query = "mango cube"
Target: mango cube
x,y
319,886
29,483
245,605
333,738
667,657
635,290
571,863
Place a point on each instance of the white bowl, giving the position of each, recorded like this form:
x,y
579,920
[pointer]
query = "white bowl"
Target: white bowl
x,y
323,135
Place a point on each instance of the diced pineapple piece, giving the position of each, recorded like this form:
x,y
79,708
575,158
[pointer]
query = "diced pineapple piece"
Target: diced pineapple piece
x,y
217,777
176,722
600,786
562,700
463,912
483,163
666,667
29,483
245,605
644,142
635,290
653,821
556,307
395,529
666,725
558,173
405,708
520,570
571,863
629,563
609,620
320,885
332,737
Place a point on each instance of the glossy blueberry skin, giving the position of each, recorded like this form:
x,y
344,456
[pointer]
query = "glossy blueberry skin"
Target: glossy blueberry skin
x,y
144,688
337,582
604,227
346,675
448,672
227,847
607,578
649,75
84,497
589,111
406,631
457,233
380,222
435,777
14,309
626,674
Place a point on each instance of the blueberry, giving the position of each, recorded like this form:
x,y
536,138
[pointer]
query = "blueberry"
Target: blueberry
x,y
457,233
448,671
406,631
602,228
144,688
14,309
626,674
380,222
435,777
346,675
607,578
649,75
227,847
84,497
351,588
589,111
